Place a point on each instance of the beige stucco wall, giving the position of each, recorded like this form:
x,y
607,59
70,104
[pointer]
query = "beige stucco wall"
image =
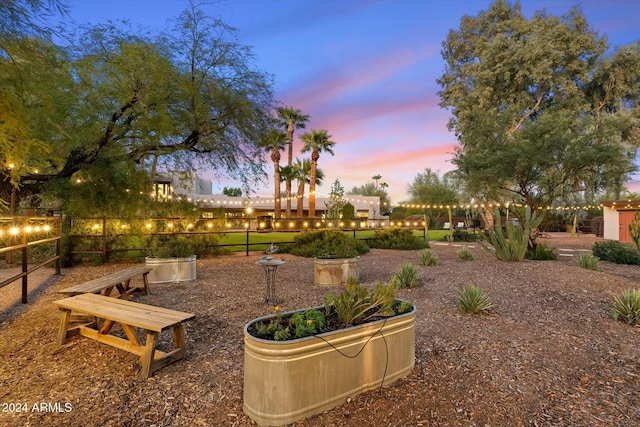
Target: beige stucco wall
x,y
611,223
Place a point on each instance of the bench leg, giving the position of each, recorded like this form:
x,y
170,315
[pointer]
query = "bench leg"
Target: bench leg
x,y
148,354
64,325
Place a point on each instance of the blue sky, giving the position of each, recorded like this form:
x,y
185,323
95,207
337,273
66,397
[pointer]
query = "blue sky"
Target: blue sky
x,y
364,70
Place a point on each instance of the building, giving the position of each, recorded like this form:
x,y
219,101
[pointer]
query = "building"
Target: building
x,y
618,215
258,209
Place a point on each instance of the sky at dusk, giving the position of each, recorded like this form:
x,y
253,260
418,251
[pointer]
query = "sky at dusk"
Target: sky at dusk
x,y
363,70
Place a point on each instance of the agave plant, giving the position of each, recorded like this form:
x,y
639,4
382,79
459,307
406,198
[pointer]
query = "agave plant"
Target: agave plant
x,y
472,299
406,276
513,246
626,307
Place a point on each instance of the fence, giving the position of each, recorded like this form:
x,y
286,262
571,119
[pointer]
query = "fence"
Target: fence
x,y
22,233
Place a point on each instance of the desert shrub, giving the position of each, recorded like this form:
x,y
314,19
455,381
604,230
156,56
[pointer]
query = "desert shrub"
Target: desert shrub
x,y
464,236
427,257
355,304
588,261
406,276
512,246
616,252
327,244
472,299
465,254
543,252
626,307
397,238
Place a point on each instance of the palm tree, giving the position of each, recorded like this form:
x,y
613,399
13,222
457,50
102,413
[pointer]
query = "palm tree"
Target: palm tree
x,y
315,142
291,119
303,175
288,174
376,178
273,142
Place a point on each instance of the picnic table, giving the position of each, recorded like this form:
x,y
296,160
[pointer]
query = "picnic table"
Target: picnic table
x,y
151,319
120,280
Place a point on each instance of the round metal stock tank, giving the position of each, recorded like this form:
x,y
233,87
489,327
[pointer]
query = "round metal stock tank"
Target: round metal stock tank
x,y
334,271
171,269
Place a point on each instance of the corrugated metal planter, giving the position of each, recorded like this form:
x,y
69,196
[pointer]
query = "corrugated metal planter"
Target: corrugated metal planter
x,y
286,381
334,271
171,269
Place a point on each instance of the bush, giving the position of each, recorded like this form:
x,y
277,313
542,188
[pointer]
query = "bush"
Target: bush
x,y
616,252
472,299
465,236
397,238
465,254
327,244
407,276
513,246
543,252
587,261
427,257
626,307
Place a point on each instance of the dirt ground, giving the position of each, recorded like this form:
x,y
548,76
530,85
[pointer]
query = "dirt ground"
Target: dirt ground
x,y
549,354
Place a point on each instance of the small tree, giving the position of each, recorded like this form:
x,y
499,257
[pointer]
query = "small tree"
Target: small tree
x,y
335,204
634,229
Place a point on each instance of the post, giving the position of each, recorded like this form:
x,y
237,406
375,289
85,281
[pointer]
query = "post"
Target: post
x,y
247,241
25,266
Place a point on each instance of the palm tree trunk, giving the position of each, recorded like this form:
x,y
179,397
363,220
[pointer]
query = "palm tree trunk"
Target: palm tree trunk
x,y
300,210
289,163
276,185
312,188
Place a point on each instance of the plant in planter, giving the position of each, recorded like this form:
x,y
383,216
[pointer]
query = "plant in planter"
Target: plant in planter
x,y
336,254
301,363
174,260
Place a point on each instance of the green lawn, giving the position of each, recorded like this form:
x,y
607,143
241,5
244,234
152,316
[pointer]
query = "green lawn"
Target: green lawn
x,y
259,241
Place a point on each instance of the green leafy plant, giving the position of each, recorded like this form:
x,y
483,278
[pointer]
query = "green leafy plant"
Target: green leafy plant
x,y
328,244
407,276
397,238
306,323
634,230
542,252
587,261
465,254
472,299
427,257
356,304
616,252
464,236
512,246
626,307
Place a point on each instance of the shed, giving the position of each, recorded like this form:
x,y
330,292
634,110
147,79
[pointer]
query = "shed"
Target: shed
x,y
617,216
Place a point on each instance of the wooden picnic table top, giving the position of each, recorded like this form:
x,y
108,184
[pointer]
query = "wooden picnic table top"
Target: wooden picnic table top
x,y
131,313
112,279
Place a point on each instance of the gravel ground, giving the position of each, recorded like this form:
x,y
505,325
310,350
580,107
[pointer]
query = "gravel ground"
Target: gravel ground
x,y
549,354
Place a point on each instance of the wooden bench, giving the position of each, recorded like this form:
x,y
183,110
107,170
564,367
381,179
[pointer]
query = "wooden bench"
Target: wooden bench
x,y
152,320
104,285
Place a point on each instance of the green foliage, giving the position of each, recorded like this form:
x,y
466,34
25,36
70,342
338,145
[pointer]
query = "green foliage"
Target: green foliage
x,y
465,254
327,244
402,307
472,299
397,238
232,191
587,261
542,252
465,236
307,323
348,212
626,307
299,325
513,246
356,304
535,104
428,257
406,276
178,245
616,252
634,230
